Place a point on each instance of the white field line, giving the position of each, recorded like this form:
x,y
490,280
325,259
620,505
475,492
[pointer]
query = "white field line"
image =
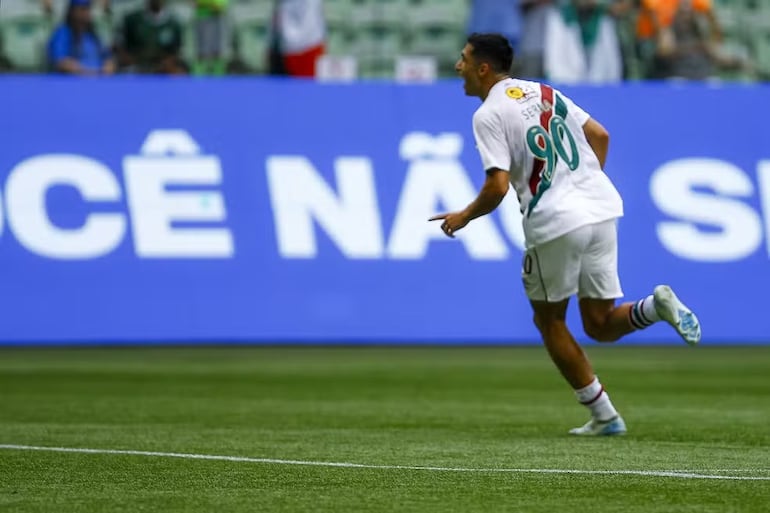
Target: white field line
x,y
682,474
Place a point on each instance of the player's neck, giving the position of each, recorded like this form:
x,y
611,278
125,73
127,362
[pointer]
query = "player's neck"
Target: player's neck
x,y
491,83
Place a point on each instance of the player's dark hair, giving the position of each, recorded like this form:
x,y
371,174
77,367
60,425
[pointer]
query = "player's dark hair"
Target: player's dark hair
x,y
494,49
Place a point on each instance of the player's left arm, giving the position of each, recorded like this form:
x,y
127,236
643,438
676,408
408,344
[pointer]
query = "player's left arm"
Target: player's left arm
x,y
491,194
598,138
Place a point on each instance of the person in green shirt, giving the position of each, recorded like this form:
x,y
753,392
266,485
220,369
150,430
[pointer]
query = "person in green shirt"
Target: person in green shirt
x,y
150,41
209,27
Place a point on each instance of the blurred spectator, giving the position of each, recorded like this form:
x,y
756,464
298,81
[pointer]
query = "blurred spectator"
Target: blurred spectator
x,y
50,6
625,14
582,42
150,41
298,34
497,16
680,38
75,48
530,63
47,7
5,64
209,28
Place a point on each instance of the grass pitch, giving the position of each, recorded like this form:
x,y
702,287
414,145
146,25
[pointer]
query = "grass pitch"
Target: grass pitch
x,y
459,414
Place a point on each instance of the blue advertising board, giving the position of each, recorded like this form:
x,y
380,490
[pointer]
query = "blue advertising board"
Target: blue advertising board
x,y
146,210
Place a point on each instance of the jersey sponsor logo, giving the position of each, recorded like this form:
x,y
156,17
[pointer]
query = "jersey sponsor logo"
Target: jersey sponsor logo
x,y
521,94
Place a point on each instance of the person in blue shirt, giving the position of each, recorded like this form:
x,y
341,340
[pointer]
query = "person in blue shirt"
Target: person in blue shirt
x,y
522,23
500,16
75,48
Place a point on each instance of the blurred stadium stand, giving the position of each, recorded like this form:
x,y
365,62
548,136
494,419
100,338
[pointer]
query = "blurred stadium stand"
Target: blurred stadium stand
x,y
375,32
746,30
24,32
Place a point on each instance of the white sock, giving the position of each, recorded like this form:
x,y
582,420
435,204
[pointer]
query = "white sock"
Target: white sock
x,y
596,399
643,313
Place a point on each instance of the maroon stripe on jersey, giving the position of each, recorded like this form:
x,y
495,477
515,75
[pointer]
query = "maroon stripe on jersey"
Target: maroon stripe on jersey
x,y
546,92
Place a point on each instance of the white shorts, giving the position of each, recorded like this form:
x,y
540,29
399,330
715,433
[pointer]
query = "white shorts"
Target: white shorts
x,y
583,262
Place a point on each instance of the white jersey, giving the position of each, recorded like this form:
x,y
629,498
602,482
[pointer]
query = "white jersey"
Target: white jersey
x,y
536,133
301,24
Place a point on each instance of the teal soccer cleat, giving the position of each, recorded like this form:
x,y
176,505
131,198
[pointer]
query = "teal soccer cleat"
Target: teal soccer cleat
x,y
593,427
676,313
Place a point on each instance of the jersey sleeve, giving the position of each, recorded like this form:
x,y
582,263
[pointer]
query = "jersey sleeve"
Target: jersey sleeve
x,y
491,142
579,114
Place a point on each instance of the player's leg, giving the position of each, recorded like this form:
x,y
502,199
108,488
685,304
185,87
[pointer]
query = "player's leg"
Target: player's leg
x,y
599,286
603,320
550,276
565,352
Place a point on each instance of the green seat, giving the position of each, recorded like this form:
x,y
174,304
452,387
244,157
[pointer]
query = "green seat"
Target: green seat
x,y
750,5
443,44
250,11
381,41
761,18
388,13
337,14
730,18
437,29
11,9
437,41
251,45
338,41
761,45
250,21
394,11
451,14
727,6
375,48
24,42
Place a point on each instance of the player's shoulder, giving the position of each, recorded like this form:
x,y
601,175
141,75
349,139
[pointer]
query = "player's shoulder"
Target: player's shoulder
x,y
485,113
519,90
514,94
505,101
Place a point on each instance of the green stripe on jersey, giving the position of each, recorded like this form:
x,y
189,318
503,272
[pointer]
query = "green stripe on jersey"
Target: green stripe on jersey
x,y
561,107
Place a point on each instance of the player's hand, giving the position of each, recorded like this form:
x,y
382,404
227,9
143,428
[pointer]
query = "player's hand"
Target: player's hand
x,y
453,221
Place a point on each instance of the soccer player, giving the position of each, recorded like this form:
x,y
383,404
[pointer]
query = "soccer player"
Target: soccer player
x,y
553,153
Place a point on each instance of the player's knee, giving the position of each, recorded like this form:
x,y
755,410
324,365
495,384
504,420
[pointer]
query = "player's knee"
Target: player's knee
x,y
597,329
593,330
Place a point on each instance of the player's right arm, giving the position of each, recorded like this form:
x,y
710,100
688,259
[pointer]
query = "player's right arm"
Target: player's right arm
x,y
496,159
598,138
